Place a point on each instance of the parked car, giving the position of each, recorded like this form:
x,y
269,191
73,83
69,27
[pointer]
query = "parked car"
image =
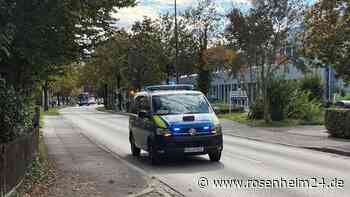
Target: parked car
x,y
343,103
174,120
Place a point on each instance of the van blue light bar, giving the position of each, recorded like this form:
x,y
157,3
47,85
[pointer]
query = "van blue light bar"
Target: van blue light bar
x,y
169,87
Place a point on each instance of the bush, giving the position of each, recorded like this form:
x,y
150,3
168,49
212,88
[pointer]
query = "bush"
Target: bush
x,y
280,92
313,84
256,111
337,122
302,108
16,114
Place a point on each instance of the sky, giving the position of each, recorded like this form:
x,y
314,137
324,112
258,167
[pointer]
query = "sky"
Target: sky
x,y
152,9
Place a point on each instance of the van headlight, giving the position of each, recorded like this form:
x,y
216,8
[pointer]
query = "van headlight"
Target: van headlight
x,y
216,130
163,132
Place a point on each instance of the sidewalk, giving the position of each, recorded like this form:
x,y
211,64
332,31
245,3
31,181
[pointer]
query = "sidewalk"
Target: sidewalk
x,y
85,170
311,137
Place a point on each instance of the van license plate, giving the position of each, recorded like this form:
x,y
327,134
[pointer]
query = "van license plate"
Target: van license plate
x,y
194,149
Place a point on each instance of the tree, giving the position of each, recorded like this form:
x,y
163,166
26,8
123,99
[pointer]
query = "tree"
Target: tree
x,y
326,39
248,33
44,35
187,46
313,83
38,37
145,55
203,20
6,29
221,57
108,65
67,85
260,34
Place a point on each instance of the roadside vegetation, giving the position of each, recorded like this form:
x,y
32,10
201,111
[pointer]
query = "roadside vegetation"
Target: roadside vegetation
x,y
345,97
337,122
40,45
243,118
292,103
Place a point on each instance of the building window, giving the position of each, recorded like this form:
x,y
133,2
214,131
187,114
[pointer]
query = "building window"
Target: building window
x,y
234,87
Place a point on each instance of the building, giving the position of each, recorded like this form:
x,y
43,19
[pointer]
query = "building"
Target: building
x,y
223,85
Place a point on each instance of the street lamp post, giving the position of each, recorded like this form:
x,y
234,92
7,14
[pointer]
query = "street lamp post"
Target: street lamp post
x,y
176,45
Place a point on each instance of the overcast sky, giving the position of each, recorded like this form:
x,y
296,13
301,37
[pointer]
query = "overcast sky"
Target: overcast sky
x,y
152,8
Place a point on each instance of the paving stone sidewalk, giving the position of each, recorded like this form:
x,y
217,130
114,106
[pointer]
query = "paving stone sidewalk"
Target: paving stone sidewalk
x,y
312,137
85,170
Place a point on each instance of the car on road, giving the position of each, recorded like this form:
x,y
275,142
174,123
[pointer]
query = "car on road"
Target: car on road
x,y
174,119
92,101
83,99
343,104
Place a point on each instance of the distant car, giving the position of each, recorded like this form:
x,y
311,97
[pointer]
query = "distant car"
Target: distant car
x,y
83,99
92,101
100,101
343,103
174,120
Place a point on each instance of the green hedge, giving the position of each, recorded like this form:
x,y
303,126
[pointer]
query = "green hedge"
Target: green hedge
x,y
338,122
16,113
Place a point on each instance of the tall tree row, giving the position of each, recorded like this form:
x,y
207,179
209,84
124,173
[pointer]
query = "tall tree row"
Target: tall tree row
x,y
37,37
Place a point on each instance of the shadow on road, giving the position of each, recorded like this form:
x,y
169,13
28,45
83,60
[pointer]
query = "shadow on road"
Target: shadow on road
x,y
178,164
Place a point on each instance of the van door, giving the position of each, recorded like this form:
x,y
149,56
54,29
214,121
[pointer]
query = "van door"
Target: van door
x,y
145,123
136,122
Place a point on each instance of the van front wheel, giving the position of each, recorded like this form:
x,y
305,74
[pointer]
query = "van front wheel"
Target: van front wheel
x,y
215,156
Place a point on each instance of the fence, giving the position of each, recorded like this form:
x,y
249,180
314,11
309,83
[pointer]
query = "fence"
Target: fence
x,y
16,157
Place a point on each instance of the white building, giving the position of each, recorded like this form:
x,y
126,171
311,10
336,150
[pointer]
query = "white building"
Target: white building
x,y
223,84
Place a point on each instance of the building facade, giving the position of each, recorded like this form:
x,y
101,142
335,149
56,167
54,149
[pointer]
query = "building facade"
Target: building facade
x,y
223,85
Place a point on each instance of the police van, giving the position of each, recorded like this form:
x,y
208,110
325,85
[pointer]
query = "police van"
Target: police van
x,y
174,119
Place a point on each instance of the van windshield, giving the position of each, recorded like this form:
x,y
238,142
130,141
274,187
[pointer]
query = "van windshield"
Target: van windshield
x,y
180,104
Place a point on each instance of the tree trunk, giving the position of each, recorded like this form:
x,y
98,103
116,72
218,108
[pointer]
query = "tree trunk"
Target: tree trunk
x,y
204,75
264,81
46,100
58,100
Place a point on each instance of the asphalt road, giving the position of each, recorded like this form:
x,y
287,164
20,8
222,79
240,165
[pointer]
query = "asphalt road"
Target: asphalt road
x,y
259,165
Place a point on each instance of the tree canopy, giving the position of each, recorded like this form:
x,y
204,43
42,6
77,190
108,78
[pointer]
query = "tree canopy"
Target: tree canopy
x,y
326,39
37,37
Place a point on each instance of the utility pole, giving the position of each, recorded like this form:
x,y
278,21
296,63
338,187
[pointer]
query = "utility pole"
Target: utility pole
x,y
176,46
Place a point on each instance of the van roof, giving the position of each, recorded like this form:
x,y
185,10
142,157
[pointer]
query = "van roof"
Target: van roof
x,y
167,92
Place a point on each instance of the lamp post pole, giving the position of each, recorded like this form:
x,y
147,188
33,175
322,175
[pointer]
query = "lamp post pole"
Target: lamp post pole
x,y
176,45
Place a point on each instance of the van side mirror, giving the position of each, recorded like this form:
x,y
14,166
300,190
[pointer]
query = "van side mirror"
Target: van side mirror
x,y
143,114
